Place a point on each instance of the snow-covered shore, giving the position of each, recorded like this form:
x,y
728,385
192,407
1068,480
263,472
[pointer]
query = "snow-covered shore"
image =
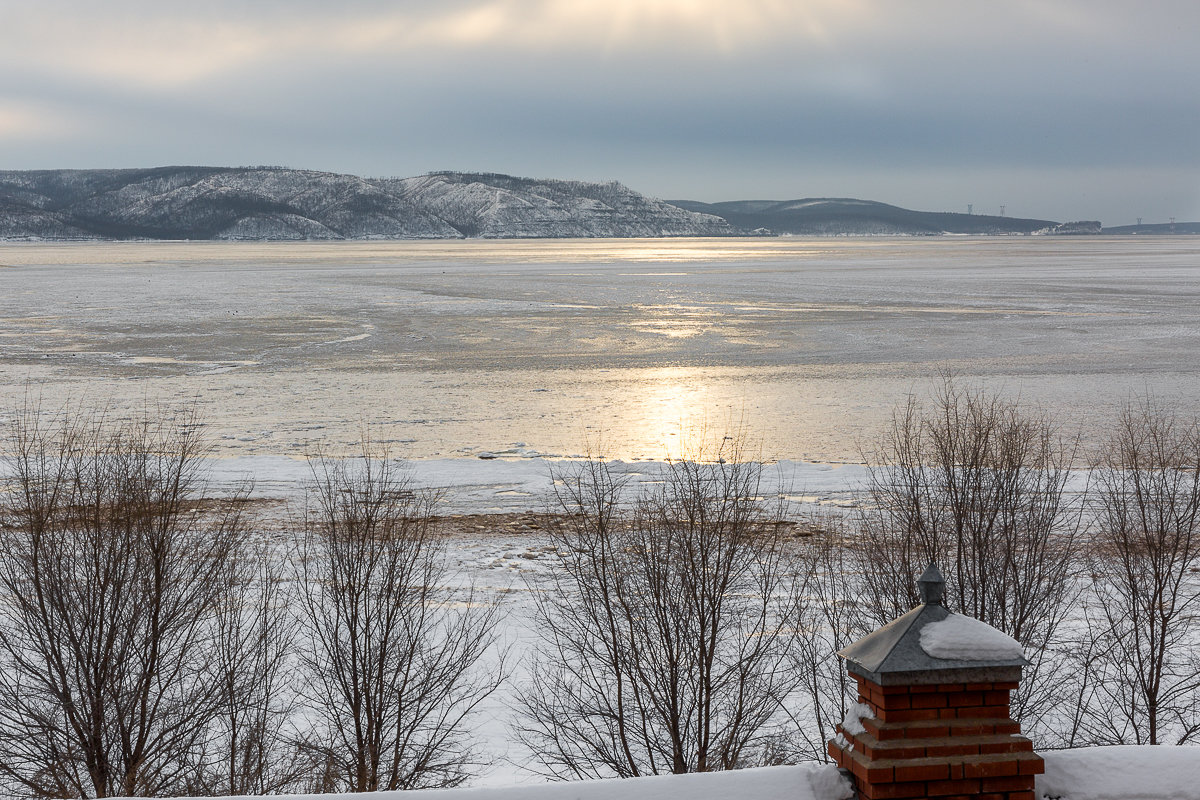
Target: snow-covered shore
x,y
506,484
1125,772
802,782
1094,773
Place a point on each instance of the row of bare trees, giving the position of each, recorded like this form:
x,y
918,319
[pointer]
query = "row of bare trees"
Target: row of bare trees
x,y
1090,560
152,645
668,630
152,642
682,632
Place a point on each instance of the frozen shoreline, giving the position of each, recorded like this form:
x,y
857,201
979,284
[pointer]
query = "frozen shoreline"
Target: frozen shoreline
x,y
512,485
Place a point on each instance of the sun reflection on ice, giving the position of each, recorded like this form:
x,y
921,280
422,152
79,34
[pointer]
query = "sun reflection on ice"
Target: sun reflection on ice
x,y
673,411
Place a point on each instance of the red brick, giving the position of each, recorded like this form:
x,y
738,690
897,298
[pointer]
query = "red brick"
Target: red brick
x,y
990,769
892,791
894,689
895,701
966,687
922,772
986,712
1021,745
1006,685
942,788
929,700
887,750
995,698
875,727
923,732
868,771
907,714
926,689
991,796
1016,783
1033,766
1021,796
950,748
960,699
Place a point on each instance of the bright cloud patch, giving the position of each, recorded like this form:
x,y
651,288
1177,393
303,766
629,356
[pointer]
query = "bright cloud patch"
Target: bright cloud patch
x,y
27,122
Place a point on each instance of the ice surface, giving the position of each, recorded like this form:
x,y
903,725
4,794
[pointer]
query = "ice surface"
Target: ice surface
x,y
557,343
967,639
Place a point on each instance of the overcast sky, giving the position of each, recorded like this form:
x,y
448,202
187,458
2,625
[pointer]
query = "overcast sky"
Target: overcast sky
x,y
1059,109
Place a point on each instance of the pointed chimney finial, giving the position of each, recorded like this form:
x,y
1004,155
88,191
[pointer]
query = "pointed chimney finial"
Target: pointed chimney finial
x,y
932,586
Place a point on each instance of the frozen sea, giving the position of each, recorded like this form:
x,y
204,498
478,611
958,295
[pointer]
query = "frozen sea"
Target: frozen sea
x,y
543,349
484,362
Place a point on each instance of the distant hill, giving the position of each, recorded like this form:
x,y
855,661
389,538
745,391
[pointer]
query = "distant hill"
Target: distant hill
x,y
273,203
1157,229
838,216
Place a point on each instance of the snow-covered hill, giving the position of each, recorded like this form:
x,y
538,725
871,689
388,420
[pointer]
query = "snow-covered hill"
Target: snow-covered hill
x,y
843,216
280,204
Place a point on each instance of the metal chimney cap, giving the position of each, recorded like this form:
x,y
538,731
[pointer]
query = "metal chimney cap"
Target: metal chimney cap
x,y
932,586
893,655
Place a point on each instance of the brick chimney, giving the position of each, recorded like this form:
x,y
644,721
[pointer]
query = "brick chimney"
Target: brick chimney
x,y
933,715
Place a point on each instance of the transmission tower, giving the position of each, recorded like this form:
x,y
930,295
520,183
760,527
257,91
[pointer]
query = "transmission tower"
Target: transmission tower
x,y
970,208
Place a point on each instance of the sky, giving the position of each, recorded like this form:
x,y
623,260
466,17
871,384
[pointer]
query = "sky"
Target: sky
x,y
1052,109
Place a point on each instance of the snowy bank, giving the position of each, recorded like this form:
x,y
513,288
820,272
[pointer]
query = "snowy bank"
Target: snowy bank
x,y
802,782
1125,772
1093,773
504,484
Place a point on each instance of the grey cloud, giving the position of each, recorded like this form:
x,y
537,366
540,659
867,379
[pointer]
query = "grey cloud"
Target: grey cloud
x,y
900,99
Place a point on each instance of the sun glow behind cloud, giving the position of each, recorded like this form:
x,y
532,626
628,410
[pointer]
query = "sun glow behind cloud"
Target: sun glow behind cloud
x,y
25,121
713,25
165,50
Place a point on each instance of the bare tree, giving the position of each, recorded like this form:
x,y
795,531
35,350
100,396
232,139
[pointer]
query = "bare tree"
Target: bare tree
x,y
392,659
669,627
980,486
832,618
1146,633
111,578
252,747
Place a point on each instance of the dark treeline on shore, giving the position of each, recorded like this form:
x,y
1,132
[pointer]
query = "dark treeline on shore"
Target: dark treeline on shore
x,y
154,643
